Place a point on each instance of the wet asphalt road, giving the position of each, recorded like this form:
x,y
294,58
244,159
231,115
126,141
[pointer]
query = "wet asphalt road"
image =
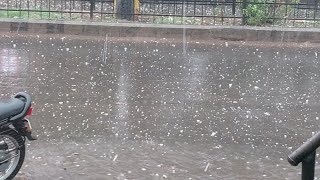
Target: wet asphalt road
x,y
221,110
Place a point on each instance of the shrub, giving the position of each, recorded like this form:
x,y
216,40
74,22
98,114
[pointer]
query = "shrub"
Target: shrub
x,y
257,12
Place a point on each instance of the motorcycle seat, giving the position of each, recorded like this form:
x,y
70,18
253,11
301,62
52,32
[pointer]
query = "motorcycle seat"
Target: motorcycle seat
x,y
11,107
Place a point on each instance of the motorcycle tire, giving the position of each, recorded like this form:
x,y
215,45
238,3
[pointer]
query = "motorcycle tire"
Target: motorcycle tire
x,y
19,144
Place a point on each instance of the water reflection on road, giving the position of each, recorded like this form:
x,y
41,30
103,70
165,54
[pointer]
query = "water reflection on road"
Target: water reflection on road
x,y
223,110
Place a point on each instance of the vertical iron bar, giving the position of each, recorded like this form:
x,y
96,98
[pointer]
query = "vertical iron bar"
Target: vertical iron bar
x,y
101,12
314,14
61,9
306,14
28,7
274,11
20,9
244,6
194,11
233,7
308,165
92,2
174,11
155,9
149,10
202,13
49,10
70,9
113,13
214,15
82,7
222,13
294,13
7,8
184,10
162,4
40,9
286,13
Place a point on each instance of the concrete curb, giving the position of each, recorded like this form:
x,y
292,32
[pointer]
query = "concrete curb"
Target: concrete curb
x,y
193,32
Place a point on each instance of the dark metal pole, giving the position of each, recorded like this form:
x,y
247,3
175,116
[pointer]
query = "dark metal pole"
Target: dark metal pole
x,y
125,9
308,165
244,6
233,7
304,150
92,7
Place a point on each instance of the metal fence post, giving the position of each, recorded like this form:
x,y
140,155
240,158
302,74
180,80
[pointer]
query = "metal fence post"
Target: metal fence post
x,y
92,7
308,165
244,6
125,9
233,7
136,7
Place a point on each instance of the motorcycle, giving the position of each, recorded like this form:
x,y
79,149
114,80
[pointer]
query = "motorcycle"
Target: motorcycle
x,y
14,129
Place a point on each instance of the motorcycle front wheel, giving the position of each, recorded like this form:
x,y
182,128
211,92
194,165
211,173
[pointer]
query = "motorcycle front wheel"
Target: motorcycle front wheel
x,y
12,153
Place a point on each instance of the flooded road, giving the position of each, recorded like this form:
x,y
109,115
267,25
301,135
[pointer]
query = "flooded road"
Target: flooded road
x,y
158,109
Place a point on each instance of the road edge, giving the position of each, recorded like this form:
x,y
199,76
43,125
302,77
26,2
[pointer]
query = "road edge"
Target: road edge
x,y
192,32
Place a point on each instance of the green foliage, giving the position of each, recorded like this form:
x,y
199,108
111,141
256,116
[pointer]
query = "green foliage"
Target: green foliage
x,y
37,14
257,12
32,15
285,12
177,20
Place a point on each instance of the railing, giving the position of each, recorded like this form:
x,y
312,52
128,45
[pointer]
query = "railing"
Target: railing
x,y
292,13
306,154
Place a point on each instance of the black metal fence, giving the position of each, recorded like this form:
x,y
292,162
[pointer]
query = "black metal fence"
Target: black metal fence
x,y
292,13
